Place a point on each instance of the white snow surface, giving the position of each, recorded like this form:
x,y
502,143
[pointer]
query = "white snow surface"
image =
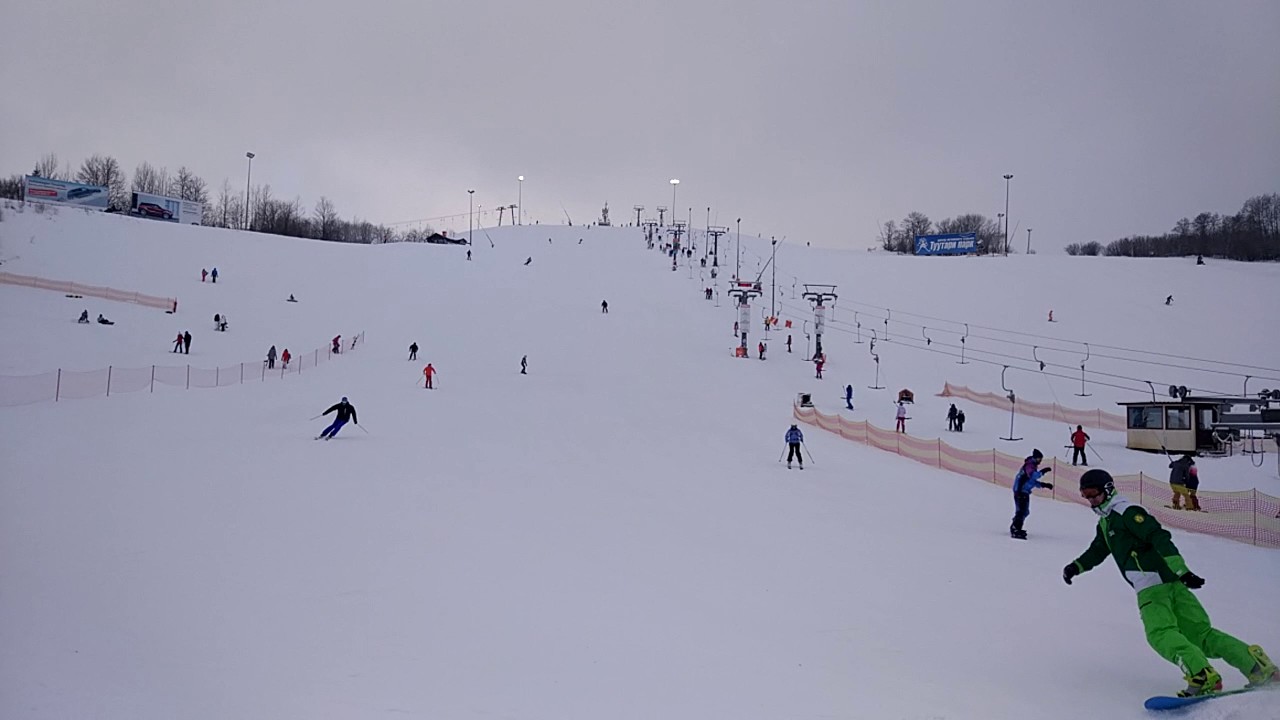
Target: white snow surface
x,y
610,536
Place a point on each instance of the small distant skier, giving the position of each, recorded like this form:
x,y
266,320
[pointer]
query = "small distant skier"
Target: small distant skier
x,y
337,344
468,254
1079,439
291,298
604,306
1027,479
848,397
1168,300
760,348
271,358
204,274
427,373
529,260
901,415
788,343
346,411
794,437
214,275
524,365
413,351
959,421
84,317
177,344
818,363
1176,624
284,359
186,342
951,417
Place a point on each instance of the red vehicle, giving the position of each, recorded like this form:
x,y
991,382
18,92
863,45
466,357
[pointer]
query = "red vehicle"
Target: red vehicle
x,y
155,211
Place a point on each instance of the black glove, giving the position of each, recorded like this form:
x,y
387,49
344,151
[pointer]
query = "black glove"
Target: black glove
x,y
1192,580
1046,471
1069,572
1047,486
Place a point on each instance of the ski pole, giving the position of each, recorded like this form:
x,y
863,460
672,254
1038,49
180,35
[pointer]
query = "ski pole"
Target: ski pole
x,y
366,432
806,449
317,417
784,452
1095,452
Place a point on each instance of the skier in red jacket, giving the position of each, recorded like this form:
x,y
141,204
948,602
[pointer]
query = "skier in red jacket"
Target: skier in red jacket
x,y
1079,439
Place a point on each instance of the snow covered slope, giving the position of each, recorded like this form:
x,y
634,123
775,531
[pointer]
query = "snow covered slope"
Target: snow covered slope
x,y
607,536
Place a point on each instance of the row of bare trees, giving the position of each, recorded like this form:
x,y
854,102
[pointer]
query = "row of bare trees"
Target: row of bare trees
x,y
1251,234
266,213
902,238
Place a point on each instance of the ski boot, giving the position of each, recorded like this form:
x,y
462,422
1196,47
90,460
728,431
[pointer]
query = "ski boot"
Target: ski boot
x,y
788,464
1017,534
1264,671
1205,682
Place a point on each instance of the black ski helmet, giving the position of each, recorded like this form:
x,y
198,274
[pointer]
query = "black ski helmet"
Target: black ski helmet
x,y
1098,479
1037,454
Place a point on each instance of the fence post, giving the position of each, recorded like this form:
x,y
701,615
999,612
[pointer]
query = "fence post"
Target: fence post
x,y
993,465
188,376
264,372
241,373
153,378
217,376
108,381
1255,516
939,452
1141,481
57,390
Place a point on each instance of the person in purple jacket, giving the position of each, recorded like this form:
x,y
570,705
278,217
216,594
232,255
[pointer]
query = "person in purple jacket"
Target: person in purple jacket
x,y
1027,479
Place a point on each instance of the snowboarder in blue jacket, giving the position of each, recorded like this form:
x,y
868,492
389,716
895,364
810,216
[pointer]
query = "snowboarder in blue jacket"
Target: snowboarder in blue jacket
x,y
794,438
1027,479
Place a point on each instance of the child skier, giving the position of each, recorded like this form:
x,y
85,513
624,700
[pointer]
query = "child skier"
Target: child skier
x,y
794,437
1027,479
1176,624
1079,439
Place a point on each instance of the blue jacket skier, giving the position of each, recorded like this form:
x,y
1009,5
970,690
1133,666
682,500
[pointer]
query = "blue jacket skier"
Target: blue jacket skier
x,y
794,438
346,411
848,396
1027,479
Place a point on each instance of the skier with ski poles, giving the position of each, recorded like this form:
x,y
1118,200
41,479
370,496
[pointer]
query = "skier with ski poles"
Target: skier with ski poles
x,y
793,439
1079,439
1176,624
428,373
346,411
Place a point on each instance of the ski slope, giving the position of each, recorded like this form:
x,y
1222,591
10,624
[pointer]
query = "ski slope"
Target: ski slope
x,y
610,535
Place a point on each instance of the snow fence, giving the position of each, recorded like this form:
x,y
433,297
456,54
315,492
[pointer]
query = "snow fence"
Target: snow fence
x,y
1246,516
58,385
1045,411
99,291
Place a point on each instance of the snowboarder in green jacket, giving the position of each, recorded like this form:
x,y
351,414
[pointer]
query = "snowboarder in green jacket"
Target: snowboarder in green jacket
x,y
1177,626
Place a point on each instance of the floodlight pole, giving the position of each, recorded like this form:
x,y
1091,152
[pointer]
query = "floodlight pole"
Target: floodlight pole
x,y
471,196
1007,178
247,178
520,198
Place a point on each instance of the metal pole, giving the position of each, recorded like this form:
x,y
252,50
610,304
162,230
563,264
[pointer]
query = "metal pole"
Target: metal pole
x,y
1007,178
737,253
247,178
1028,241
520,199
471,196
108,381
773,289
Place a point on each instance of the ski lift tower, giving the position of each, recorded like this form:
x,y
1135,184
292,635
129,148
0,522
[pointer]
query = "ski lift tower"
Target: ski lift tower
x,y
677,231
650,226
662,215
715,231
818,294
744,291
604,217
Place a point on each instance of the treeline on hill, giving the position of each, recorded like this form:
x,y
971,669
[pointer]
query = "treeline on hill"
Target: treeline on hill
x,y
902,238
225,209
1251,234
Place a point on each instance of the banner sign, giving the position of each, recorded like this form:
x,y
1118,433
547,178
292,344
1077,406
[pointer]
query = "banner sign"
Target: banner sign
x,y
950,244
38,189
819,318
168,209
744,318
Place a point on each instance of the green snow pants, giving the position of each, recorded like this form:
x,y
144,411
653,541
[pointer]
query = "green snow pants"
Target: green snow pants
x,y
1178,630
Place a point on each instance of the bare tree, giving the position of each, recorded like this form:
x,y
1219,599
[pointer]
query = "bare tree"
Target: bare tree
x,y
147,179
326,218
189,186
11,187
104,170
47,167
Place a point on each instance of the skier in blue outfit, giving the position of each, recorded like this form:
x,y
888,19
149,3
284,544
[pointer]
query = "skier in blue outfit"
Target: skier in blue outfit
x,y
794,438
1027,479
346,411
848,396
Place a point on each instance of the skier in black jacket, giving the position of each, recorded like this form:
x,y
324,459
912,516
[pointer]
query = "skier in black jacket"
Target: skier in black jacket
x,y
346,411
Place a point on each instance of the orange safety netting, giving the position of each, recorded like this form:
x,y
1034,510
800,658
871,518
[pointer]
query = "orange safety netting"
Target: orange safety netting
x,y
1046,411
1246,515
78,385
73,288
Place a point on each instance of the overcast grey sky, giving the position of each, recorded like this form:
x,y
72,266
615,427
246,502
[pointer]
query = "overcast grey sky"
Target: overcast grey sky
x,y
815,120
